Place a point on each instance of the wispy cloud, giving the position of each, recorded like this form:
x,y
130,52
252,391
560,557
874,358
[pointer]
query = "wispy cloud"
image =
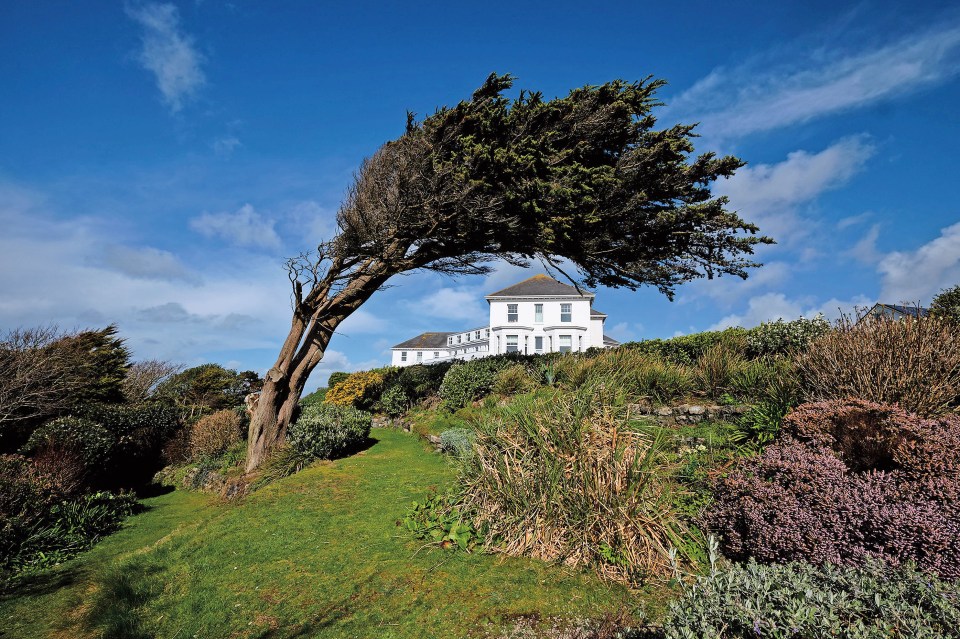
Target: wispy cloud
x,y
168,53
225,146
731,102
245,227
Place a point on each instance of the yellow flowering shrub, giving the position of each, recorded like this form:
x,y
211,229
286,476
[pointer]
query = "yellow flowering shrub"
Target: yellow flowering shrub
x,y
355,389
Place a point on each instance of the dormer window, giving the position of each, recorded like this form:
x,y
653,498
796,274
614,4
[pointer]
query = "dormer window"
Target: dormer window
x,y
512,314
566,312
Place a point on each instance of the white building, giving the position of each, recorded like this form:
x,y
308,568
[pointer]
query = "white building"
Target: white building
x,y
538,315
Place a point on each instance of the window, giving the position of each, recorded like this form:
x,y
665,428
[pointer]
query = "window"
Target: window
x,y
566,343
488,333
538,343
476,335
538,313
436,354
566,313
512,344
419,356
512,315
403,356
459,338
450,341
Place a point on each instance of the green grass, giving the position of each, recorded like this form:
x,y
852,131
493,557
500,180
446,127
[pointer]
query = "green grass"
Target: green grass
x,y
318,554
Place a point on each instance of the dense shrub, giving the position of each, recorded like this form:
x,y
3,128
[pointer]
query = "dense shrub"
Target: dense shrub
x,y
563,478
326,432
82,439
316,397
214,434
469,381
207,388
808,602
141,433
687,349
336,377
359,390
946,305
847,482
783,337
457,442
422,380
911,362
394,401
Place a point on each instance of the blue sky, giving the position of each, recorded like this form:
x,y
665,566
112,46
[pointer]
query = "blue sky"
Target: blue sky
x,y
158,161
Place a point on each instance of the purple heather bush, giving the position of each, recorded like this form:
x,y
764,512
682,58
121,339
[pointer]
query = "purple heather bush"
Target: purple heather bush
x,y
850,480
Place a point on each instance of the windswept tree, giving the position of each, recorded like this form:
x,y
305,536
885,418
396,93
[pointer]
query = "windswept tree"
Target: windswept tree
x,y
586,181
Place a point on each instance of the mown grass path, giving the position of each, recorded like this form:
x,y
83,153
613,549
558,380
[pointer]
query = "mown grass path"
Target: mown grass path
x,y
318,554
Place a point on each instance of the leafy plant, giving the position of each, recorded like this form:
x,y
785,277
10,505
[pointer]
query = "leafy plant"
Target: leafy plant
x,y
359,390
468,381
745,601
325,432
457,442
785,337
394,401
88,441
440,520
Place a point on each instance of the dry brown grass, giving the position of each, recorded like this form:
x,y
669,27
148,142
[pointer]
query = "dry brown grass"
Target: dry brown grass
x,y
914,363
564,478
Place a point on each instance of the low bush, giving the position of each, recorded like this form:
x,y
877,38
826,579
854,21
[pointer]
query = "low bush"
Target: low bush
x,y
359,390
457,442
337,377
564,478
469,381
214,434
394,401
848,481
327,432
825,602
422,380
687,349
914,362
73,437
785,337
316,397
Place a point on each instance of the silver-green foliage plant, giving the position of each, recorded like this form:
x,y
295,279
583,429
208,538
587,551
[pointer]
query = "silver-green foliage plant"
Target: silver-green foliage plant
x,y
783,337
801,601
325,431
457,442
394,401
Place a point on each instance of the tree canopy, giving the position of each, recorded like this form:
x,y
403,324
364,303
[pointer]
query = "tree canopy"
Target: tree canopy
x,y
585,183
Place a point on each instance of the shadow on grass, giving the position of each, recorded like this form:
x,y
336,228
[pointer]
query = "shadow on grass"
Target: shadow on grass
x,y
113,611
147,491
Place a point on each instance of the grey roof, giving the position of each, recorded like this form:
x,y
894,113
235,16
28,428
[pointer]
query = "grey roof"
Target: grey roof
x,y
912,311
426,341
609,341
540,285
595,313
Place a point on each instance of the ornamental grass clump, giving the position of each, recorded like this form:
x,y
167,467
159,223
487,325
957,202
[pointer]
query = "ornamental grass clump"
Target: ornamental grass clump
x,y
849,481
913,362
565,478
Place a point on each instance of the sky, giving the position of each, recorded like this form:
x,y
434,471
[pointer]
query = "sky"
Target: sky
x,y
159,161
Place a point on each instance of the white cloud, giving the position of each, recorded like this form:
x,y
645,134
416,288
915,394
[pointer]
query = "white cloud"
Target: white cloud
x,y
168,53
465,303
865,250
145,262
770,307
246,227
734,102
912,276
311,221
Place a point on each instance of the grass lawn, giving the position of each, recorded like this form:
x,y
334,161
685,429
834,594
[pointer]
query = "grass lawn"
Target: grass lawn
x,y
318,554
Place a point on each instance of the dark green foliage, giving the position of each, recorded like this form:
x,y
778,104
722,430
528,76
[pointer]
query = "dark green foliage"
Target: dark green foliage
x,y
101,360
420,381
88,441
808,602
336,378
469,381
687,349
325,431
207,388
41,525
316,397
439,520
140,432
946,304
394,401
